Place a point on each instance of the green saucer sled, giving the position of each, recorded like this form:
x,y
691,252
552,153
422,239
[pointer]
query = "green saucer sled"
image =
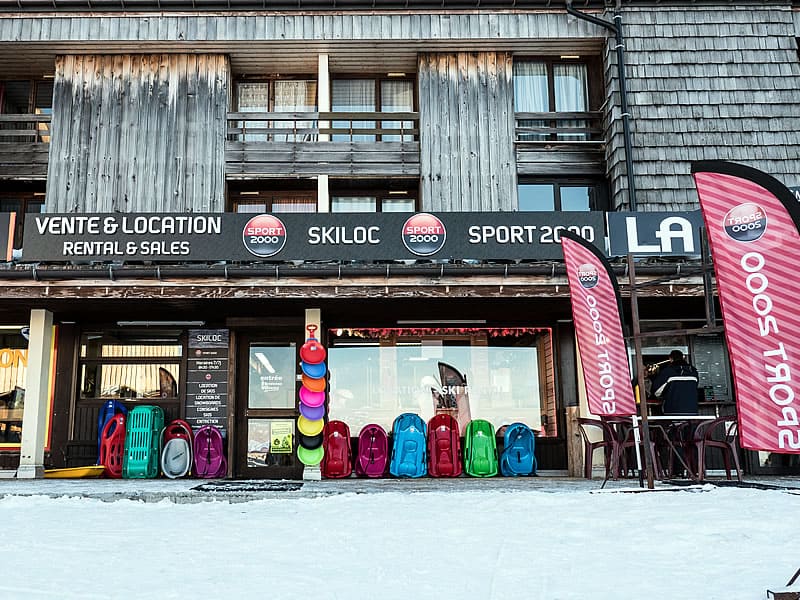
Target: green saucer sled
x,y
310,458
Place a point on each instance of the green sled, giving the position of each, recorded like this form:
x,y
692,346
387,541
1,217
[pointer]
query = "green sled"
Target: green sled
x,y
480,449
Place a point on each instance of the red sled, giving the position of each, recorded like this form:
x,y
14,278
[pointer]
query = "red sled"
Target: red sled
x,y
338,459
444,447
112,446
373,451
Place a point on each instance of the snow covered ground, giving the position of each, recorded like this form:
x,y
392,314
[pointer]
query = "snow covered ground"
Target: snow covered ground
x,y
463,541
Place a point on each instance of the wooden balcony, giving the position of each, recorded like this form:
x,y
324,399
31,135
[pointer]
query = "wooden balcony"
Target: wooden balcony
x,y
369,144
24,146
560,143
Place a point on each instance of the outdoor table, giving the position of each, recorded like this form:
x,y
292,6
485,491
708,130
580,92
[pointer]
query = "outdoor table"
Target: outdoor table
x,y
666,419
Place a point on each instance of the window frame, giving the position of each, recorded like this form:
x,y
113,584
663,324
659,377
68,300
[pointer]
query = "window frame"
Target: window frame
x,y
377,79
598,191
380,191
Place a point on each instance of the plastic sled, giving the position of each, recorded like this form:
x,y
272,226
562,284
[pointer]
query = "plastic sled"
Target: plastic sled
x,y
108,410
209,453
480,449
310,458
75,472
176,455
311,442
373,451
112,446
409,450
312,351
338,460
315,385
518,458
444,447
312,413
309,428
311,399
142,442
314,371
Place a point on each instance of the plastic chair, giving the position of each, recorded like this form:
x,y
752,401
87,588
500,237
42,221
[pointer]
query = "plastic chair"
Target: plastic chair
x,y
606,442
626,442
722,433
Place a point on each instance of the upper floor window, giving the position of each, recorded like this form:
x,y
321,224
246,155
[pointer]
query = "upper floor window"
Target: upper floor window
x,y
26,97
548,86
23,201
568,195
373,197
280,197
369,96
277,96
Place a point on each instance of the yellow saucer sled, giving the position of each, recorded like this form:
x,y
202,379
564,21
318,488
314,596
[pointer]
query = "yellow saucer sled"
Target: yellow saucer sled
x,y
75,472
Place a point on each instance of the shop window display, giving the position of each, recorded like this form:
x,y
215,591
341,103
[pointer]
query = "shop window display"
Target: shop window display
x,y
13,369
502,375
127,366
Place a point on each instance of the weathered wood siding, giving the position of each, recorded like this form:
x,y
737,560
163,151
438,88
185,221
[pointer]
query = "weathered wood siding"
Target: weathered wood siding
x,y
705,83
467,159
138,133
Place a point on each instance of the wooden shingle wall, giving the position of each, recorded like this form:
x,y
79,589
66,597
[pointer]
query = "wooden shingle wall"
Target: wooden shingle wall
x,y
467,160
705,83
138,133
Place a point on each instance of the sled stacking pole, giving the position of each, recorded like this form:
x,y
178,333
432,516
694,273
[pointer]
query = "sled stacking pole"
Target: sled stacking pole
x,y
637,345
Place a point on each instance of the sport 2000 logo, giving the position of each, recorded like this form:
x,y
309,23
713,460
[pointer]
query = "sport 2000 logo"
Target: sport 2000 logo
x,y
746,222
424,234
264,236
588,276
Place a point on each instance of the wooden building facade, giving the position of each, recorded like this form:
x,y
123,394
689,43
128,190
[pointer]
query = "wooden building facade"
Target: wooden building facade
x,y
112,108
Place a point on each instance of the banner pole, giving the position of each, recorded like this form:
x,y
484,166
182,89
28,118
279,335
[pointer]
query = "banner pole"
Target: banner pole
x,y
637,346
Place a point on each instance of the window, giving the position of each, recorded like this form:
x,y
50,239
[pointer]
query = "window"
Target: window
x,y
13,370
134,366
368,96
277,96
548,86
560,196
298,196
502,375
398,196
21,202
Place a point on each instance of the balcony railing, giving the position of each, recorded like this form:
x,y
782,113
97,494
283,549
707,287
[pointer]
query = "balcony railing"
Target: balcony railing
x,y
24,146
369,144
558,128
558,143
313,127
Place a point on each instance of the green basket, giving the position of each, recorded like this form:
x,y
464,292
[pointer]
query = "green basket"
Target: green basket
x,y
142,441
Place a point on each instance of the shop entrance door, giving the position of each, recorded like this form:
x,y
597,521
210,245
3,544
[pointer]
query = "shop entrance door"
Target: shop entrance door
x,y
266,413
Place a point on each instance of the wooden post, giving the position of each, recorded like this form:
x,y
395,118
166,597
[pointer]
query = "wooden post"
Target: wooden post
x,y
637,345
34,417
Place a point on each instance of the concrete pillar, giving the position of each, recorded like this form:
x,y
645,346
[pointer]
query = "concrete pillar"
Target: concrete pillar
x,y
313,317
34,418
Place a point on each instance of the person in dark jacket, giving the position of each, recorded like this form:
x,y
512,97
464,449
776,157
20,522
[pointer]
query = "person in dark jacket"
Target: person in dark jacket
x,y
676,383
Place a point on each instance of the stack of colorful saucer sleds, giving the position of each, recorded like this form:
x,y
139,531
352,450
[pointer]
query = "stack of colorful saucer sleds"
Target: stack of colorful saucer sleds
x,y
312,400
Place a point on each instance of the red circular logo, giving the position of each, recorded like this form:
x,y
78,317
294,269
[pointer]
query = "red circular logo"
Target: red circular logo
x,y
745,223
424,234
264,236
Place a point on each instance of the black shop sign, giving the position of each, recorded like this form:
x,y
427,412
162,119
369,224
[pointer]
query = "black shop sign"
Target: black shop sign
x,y
354,236
207,378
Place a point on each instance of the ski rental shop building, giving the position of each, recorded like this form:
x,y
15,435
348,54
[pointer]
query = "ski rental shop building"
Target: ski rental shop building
x,y
396,172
